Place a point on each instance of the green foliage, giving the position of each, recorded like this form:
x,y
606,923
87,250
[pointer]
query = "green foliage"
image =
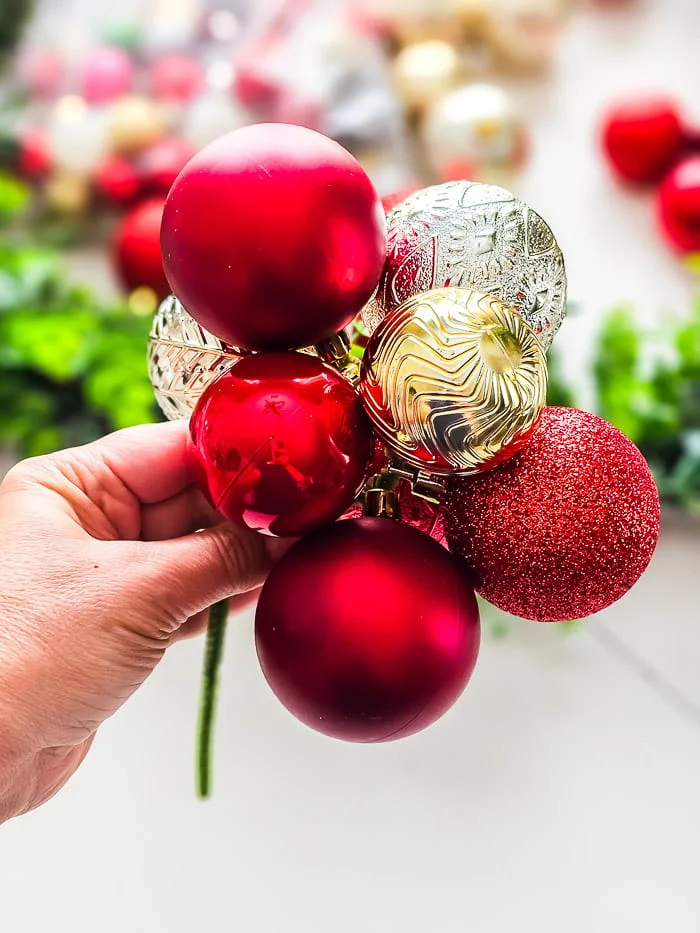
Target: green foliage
x,y
13,15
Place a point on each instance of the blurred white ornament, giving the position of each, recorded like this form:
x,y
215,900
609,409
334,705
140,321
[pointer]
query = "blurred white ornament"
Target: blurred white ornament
x,y
171,24
219,75
475,132
78,135
209,116
183,359
424,71
223,26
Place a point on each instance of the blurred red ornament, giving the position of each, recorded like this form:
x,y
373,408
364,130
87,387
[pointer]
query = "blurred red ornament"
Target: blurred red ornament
x,y
564,528
162,163
41,73
641,138
273,237
108,73
382,665
34,161
136,249
118,181
679,205
175,78
281,443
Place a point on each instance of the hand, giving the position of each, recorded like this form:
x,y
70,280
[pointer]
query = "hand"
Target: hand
x,y
100,571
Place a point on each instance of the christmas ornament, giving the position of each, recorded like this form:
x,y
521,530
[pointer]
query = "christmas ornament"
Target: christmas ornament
x,y
118,181
108,73
380,669
454,381
41,71
641,138
134,124
175,78
183,359
77,135
136,248
424,71
34,160
522,33
160,165
475,132
210,116
281,443
564,528
473,236
67,193
679,205
273,237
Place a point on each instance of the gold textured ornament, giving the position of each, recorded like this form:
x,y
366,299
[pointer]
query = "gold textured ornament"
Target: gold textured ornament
x,y
454,381
183,359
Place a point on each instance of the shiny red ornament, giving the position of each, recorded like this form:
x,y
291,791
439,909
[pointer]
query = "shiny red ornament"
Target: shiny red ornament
x,y
565,527
108,73
679,205
273,237
136,249
641,139
175,78
281,443
160,165
380,666
118,181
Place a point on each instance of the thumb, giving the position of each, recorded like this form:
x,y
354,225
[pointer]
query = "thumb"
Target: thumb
x,y
186,575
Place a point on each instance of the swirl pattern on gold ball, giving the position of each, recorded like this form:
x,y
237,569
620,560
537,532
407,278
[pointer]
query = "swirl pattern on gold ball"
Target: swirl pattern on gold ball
x,y
454,381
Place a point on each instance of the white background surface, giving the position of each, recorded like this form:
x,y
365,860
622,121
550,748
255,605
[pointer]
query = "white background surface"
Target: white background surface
x,y
561,795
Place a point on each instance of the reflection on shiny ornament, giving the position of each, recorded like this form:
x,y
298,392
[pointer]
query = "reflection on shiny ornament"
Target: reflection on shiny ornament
x,y
134,123
454,381
424,71
478,236
210,116
475,132
77,135
183,359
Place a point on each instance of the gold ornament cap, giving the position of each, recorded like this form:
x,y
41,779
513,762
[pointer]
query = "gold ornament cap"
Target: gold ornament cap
x,y
454,381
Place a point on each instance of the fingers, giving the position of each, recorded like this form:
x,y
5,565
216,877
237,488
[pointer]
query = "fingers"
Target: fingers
x,y
184,513
198,623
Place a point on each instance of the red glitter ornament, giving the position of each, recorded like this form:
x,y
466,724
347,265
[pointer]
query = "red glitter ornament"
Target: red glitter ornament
x,y
373,669
273,237
679,205
136,249
641,138
281,443
565,527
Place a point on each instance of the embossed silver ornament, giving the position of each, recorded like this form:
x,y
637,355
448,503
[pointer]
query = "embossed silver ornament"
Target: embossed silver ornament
x,y
454,381
472,235
183,359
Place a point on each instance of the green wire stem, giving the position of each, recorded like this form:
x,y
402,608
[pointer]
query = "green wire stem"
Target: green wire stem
x,y
213,655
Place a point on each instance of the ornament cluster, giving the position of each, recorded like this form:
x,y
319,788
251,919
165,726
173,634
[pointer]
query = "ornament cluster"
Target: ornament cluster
x,y
417,469
648,143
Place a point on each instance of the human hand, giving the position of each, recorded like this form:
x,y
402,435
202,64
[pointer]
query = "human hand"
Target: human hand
x,y
100,571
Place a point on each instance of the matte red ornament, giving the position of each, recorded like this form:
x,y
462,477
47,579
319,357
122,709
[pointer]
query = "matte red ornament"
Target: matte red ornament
x,y
273,237
136,249
175,78
118,181
281,443
641,138
679,205
380,666
565,527
161,164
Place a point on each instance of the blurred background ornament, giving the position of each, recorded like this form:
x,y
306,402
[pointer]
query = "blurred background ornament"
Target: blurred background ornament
x,y
135,122
475,132
424,71
108,73
476,236
641,138
67,192
183,359
679,206
454,381
523,33
77,135
136,248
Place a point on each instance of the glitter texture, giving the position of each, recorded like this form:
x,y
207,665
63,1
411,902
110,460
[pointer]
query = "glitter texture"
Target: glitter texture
x,y
565,527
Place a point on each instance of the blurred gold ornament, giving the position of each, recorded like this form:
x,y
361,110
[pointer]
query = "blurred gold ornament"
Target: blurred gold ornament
x,y
135,123
473,236
454,381
475,132
523,33
143,301
183,359
67,193
424,71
